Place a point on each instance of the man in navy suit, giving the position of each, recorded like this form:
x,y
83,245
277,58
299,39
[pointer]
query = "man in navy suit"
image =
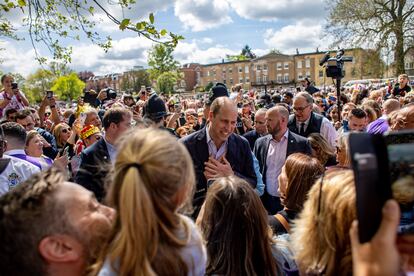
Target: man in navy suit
x,y
272,151
97,159
217,151
259,127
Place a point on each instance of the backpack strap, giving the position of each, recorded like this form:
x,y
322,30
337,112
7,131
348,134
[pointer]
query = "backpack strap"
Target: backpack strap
x,y
283,221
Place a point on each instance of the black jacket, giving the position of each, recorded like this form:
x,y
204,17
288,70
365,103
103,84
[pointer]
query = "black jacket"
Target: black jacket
x,y
251,137
296,143
314,126
94,167
238,154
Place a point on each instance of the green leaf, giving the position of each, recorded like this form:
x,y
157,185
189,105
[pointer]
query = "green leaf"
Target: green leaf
x,y
151,18
140,26
163,32
91,9
21,3
124,24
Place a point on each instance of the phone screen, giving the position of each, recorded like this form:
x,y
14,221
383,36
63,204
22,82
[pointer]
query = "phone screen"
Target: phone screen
x,y
400,148
49,94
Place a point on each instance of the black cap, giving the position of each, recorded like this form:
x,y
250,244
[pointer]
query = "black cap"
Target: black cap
x,y
155,108
264,99
217,91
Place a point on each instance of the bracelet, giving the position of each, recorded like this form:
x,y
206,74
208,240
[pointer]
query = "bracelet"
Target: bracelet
x,y
52,106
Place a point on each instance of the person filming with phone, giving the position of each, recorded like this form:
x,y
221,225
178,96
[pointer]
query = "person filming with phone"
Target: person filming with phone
x,y
11,96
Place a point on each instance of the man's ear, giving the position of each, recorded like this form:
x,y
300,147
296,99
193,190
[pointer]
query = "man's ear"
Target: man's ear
x,y
60,248
210,115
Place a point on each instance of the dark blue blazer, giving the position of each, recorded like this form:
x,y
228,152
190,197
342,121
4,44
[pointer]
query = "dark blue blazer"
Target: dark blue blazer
x,y
238,154
251,137
296,143
94,167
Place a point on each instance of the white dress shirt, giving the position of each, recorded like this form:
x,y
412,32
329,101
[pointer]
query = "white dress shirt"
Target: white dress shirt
x,y
217,153
276,157
16,172
328,131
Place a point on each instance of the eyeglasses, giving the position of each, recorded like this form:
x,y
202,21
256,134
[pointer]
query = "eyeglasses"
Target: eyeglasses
x,y
66,130
300,109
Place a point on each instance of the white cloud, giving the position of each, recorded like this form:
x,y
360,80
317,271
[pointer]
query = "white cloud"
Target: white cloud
x,y
278,9
15,60
191,52
303,35
200,15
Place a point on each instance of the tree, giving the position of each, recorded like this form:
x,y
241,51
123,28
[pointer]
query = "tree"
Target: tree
x,y
133,80
37,83
208,86
68,87
275,51
247,52
383,24
161,60
48,22
166,82
236,57
59,69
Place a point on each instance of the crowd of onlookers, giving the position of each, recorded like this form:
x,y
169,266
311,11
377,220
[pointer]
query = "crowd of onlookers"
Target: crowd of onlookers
x,y
231,182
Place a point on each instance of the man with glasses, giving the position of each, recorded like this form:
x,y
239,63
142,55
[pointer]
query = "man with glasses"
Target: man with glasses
x,y
304,121
95,159
259,127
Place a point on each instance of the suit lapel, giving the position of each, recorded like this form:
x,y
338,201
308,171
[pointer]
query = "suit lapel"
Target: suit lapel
x,y
201,146
103,151
291,146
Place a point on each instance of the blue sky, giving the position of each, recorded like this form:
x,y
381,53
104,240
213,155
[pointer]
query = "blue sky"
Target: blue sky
x,y
212,29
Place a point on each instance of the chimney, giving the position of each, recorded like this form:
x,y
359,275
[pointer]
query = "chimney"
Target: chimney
x,y
222,60
297,51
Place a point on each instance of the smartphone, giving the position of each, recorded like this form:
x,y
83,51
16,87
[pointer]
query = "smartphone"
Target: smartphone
x,y
332,98
14,85
384,169
49,94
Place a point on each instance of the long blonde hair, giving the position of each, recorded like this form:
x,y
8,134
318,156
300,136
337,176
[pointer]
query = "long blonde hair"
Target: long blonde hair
x,y
320,237
153,178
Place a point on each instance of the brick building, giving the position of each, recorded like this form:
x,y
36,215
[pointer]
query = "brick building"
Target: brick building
x,y
191,76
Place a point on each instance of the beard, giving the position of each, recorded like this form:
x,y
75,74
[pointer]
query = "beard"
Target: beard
x,y
274,130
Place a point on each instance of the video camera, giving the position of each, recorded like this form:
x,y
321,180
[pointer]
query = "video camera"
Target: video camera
x,y
335,65
384,169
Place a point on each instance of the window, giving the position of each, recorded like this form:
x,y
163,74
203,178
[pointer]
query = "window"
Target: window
x,y
241,80
223,69
299,64
320,73
300,76
208,74
286,65
308,75
286,78
279,78
307,63
258,67
258,79
246,69
264,78
264,67
230,70
240,69
247,79
279,66
224,81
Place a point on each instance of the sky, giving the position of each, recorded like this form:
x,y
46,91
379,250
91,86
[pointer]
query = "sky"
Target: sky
x,y
212,29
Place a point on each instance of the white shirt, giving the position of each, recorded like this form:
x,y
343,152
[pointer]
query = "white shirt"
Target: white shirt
x,y
212,149
276,157
328,131
16,172
14,103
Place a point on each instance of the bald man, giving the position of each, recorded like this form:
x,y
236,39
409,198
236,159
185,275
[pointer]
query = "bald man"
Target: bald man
x,y
380,125
217,151
272,151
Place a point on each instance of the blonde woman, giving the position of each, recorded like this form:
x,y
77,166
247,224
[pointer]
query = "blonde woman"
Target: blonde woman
x,y
153,179
343,156
320,236
322,150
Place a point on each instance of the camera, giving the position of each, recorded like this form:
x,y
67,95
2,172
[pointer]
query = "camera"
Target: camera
x,y
49,94
384,168
335,65
14,85
110,94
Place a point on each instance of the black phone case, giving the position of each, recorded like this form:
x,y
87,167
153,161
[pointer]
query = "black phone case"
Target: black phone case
x,y
372,183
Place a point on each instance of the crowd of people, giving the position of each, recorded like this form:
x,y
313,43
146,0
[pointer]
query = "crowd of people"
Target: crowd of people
x,y
234,182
